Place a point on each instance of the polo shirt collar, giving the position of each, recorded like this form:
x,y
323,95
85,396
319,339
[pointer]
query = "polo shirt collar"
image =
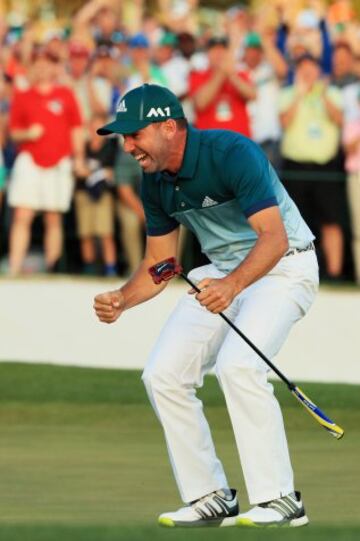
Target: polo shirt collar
x,y
190,158
191,153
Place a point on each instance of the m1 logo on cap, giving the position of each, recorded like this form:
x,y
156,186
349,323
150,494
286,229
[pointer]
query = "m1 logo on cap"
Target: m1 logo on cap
x,y
121,108
158,112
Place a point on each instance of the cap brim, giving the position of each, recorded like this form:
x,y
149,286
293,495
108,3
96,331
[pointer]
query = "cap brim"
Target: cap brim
x,y
122,127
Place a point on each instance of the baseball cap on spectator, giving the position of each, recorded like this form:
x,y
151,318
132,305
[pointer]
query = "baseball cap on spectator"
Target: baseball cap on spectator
x,y
142,106
168,39
253,40
217,40
139,41
78,49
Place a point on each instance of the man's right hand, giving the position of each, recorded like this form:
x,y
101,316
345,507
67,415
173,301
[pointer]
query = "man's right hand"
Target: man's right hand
x,y
109,306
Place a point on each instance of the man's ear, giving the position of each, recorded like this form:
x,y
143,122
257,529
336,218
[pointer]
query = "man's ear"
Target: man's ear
x,y
169,128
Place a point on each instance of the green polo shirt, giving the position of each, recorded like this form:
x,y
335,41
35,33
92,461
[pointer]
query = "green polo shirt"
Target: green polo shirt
x,y
224,179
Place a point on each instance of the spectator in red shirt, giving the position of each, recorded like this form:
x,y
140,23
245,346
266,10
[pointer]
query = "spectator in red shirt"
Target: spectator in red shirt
x,y
45,122
220,91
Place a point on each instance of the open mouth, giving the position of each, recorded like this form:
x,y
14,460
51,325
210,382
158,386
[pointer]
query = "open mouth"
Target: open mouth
x,y
142,158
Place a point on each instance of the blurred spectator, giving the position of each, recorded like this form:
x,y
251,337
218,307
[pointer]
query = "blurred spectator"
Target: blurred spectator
x,y
4,114
266,68
130,211
186,44
104,70
105,24
343,77
45,121
310,33
94,200
343,65
96,20
174,66
311,118
18,59
178,15
351,139
220,92
2,168
87,77
142,69
340,12
56,44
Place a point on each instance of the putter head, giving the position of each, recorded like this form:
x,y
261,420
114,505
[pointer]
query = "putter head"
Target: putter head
x,y
165,270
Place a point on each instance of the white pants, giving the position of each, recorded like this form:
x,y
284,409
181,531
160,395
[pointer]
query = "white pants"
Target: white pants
x,y
194,340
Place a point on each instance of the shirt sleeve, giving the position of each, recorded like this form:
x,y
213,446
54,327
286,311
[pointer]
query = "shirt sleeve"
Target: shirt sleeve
x,y
158,222
17,119
250,177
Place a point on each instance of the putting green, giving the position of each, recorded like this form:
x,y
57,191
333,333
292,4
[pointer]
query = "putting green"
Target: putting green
x,y
82,457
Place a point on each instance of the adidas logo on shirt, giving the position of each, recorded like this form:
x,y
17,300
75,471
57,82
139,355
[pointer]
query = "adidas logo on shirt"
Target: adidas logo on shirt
x,y
208,202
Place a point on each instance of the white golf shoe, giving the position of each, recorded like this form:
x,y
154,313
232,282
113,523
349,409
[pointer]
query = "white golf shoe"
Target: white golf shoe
x,y
219,508
286,511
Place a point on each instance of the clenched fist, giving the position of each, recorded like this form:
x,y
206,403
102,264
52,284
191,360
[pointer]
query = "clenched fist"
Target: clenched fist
x,y
109,306
215,294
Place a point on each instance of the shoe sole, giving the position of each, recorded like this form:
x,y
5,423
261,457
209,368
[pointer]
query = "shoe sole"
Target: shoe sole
x,y
294,523
213,523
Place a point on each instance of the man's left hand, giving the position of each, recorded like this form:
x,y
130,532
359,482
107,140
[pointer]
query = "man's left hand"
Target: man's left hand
x,y
216,294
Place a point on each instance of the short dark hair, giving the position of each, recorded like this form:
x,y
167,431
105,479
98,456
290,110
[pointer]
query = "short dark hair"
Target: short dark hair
x,y
214,41
307,57
343,45
182,123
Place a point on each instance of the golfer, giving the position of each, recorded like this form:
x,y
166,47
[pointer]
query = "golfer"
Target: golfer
x,y
263,274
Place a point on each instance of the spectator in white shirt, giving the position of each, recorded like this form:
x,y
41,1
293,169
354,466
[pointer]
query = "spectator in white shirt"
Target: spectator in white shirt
x,y
266,67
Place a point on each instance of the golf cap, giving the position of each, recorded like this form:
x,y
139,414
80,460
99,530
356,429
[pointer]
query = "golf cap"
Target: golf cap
x,y
142,106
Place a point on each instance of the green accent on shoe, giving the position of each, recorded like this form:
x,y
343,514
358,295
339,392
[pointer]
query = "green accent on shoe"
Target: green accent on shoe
x,y
167,522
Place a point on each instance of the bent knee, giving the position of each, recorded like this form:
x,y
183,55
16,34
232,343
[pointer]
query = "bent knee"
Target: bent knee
x,y
239,364
158,379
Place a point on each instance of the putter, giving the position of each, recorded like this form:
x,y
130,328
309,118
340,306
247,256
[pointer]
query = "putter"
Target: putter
x,y
168,268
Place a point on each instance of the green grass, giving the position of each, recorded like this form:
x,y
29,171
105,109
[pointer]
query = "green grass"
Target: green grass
x,y
82,457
